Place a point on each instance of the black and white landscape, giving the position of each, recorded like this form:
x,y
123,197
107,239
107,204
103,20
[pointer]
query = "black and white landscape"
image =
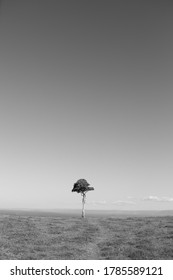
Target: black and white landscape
x,y
86,93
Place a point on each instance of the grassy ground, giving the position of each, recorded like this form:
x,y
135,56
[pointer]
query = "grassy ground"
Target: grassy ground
x,y
64,237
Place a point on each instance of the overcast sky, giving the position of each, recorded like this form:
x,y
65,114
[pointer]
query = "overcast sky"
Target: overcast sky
x,y
86,91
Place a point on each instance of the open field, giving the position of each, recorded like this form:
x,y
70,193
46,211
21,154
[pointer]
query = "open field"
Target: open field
x,y
57,236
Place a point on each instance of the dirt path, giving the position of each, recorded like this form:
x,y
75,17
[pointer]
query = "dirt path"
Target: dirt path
x,y
92,252
97,234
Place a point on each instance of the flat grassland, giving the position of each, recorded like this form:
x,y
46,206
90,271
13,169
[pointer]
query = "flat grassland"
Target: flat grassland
x,y
68,237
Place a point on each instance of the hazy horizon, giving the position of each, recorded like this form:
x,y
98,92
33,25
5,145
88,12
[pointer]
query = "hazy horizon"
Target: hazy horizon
x,y
86,91
89,213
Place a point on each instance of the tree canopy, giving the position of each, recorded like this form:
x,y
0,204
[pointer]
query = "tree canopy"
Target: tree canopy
x,y
82,186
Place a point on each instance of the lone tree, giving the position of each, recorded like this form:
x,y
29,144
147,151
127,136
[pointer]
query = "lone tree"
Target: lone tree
x,y
82,187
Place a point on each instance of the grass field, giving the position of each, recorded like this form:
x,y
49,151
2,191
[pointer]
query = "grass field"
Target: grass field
x,y
31,236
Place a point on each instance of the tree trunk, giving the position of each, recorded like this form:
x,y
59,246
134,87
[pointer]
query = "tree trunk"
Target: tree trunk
x,y
83,204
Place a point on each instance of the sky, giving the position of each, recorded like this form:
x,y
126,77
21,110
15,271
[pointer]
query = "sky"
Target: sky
x,y
86,91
